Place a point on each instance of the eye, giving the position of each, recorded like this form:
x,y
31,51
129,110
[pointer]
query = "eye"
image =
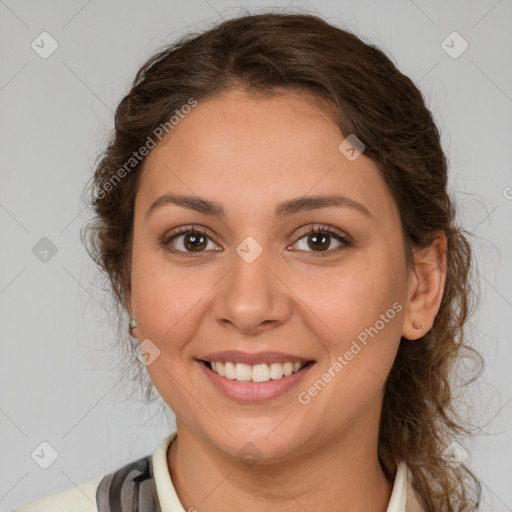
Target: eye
x,y
319,238
191,239
194,240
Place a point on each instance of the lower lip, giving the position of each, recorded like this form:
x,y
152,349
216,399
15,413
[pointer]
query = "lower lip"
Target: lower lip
x,y
254,391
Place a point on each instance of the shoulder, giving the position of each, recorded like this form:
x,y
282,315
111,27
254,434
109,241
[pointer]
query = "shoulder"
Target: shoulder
x,y
403,497
80,498
413,502
129,484
132,485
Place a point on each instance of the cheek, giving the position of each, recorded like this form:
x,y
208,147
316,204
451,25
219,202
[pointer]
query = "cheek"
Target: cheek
x,y
358,311
353,296
156,294
168,300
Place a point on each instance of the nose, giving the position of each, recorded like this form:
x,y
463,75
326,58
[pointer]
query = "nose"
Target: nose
x,y
252,297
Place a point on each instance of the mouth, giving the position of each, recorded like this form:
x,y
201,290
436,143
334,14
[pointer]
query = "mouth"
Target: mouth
x,y
264,372
254,383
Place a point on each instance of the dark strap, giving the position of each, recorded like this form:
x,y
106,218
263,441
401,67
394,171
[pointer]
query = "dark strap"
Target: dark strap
x,y
131,488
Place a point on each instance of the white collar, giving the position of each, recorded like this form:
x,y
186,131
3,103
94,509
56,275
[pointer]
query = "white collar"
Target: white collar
x,y
169,501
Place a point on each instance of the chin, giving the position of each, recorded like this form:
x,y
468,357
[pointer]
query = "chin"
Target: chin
x,y
265,444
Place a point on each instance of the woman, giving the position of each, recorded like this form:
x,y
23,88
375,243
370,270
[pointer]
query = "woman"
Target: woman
x,y
273,214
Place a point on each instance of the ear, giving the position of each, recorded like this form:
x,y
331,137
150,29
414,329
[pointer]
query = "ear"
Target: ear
x,y
426,286
128,305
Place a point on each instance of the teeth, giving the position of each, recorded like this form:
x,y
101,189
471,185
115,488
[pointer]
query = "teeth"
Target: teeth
x,y
255,373
287,369
276,371
243,372
229,370
260,373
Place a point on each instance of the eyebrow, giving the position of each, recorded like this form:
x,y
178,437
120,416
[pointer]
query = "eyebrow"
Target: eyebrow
x,y
290,207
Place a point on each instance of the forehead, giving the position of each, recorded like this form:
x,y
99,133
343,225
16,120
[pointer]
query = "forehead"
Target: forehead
x,y
251,152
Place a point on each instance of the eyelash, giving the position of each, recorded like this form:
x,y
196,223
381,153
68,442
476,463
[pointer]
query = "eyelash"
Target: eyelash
x,y
345,241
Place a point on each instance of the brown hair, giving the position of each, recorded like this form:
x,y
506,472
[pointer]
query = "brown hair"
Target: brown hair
x,y
372,99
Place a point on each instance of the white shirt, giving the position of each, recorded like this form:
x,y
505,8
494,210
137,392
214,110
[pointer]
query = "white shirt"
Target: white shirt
x,y
82,498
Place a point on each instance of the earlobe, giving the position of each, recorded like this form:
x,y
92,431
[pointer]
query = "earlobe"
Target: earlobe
x,y
426,288
132,324
128,303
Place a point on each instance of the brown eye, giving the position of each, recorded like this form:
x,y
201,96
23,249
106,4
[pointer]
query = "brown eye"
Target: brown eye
x,y
319,239
187,241
190,241
194,242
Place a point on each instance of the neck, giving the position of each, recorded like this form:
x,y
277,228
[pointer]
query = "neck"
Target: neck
x,y
346,476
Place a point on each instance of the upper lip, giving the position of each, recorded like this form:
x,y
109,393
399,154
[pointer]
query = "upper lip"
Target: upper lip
x,y
236,356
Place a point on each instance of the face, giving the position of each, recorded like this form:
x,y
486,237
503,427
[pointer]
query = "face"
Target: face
x,y
241,272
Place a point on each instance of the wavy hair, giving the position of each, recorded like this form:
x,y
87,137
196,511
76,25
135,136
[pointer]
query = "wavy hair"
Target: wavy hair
x,y
263,54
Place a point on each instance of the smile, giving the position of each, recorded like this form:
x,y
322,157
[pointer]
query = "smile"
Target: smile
x,y
254,373
259,382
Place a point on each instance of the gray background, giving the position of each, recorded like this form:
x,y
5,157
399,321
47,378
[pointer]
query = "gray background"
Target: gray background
x,y
59,369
